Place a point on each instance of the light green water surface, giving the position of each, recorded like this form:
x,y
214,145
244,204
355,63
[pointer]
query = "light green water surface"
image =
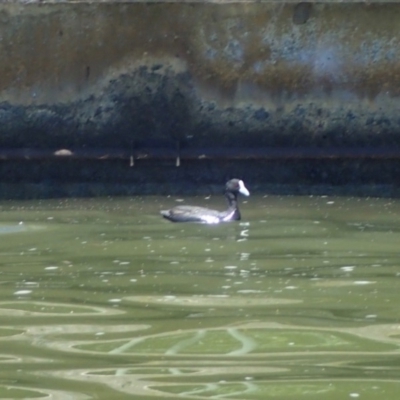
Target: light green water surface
x,y
102,298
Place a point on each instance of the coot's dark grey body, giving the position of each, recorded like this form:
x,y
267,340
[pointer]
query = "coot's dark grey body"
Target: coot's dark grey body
x,y
205,215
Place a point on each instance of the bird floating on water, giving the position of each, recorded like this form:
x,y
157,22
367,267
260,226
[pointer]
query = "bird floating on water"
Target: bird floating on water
x,y
209,216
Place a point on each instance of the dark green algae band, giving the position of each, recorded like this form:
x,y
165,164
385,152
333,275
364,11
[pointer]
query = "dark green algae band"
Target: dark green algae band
x,y
23,179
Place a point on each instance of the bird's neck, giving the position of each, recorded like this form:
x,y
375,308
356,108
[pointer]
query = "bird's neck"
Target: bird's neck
x,y
232,210
232,199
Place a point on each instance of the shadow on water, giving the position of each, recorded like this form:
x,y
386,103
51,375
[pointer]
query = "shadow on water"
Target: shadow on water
x,y
105,299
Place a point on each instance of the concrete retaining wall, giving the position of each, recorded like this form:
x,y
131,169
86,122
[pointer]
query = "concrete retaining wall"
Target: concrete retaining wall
x,y
241,74
136,75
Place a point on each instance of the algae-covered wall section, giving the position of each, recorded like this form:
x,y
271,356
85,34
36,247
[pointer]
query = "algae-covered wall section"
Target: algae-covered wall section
x,y
201,75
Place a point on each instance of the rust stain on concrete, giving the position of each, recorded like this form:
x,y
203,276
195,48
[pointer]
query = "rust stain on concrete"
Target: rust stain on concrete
x,y
58,52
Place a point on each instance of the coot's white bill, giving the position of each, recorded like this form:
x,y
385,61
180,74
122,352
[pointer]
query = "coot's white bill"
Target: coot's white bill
x,y
242,189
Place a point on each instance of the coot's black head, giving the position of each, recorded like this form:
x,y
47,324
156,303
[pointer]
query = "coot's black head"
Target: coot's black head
x,y
236,186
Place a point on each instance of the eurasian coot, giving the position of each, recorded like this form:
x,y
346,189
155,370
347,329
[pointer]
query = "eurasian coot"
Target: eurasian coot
x,y
205,215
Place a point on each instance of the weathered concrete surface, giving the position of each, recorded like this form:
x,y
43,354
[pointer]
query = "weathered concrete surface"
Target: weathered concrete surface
x,y
246,74
84,75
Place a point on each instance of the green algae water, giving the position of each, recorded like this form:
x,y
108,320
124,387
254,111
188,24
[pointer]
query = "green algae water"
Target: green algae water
x,y
102,298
